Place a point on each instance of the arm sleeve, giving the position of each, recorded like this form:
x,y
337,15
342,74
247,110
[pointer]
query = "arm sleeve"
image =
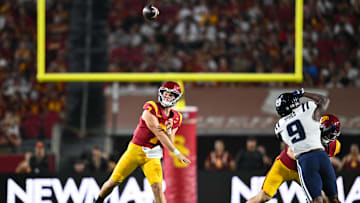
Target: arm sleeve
x,y
311,105
333,148
177,120
277,131
151,107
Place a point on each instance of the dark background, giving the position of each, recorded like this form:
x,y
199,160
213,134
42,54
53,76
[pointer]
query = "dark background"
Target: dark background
x,y
235,143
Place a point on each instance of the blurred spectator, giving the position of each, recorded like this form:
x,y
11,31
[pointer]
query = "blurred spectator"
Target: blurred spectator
x,y
39,161
336,163
24,166
9,132
351,161
112,161
219,159
266,159
79,167
249,158
97,162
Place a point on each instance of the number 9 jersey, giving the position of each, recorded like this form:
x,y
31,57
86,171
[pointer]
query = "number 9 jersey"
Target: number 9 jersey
x,y
299,130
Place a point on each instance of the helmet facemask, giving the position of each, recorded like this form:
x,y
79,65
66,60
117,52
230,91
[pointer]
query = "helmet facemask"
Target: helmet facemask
x,y
329,134
163,100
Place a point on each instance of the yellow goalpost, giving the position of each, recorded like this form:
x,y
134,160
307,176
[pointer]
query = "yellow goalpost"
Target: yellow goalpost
x,y
42,76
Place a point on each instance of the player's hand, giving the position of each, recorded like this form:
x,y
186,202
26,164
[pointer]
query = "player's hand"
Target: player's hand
x,y
183,159
299,93
169,123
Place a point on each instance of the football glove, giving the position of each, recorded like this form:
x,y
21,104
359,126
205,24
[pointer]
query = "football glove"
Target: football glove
x,y
299,93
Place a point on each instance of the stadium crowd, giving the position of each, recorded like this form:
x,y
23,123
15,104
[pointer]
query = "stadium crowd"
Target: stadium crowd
x,y
29,109
189,36
238,36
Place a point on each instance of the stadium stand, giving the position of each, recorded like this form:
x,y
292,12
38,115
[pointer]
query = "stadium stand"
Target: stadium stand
x,y
238,36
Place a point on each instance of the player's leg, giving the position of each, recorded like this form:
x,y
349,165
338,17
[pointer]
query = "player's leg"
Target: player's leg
x,y
153,172
334,199
328,176
126,165
325,199
274,178
106,189
259,198
310,179
317,200
159,196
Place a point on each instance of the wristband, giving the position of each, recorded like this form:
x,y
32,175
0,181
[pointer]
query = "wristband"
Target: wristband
x,y
176,152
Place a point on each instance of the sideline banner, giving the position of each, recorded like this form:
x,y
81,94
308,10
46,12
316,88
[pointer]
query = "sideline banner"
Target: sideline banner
x,y
239,186
181,180
213,187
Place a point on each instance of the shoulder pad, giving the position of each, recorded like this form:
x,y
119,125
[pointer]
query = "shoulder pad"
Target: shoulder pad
x,y
153,108
177,119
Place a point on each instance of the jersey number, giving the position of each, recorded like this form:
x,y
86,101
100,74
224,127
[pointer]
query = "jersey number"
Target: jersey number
x,y
295,128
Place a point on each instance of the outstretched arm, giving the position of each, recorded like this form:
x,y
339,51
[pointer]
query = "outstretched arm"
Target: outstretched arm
x,y
322,104
153,124
321,101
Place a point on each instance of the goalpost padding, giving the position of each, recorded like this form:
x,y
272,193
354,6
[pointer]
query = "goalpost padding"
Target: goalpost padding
x,y
42,76
180,179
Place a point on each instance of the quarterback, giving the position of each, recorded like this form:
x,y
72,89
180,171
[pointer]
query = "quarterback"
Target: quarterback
x,y
284,167
156,128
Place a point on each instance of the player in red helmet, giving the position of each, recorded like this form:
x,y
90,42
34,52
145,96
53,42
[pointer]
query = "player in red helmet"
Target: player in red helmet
x,y
330,128
157,127
169,87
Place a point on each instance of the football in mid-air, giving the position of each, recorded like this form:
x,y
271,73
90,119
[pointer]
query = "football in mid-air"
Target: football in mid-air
x,y
150,12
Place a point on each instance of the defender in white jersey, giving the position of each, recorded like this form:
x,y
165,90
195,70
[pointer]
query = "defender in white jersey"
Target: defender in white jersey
x,y
299,127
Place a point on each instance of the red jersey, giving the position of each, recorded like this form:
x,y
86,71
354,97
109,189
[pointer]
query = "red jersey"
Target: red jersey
x,y
220,161
142,134
332,149
352,165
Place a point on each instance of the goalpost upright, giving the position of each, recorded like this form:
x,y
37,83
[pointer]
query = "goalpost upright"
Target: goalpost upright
x,y
42,76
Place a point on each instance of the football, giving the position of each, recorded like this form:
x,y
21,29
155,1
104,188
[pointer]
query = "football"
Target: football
x,y
150,12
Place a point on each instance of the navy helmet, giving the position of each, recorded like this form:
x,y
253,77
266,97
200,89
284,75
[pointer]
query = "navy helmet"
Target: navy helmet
x,y
285,103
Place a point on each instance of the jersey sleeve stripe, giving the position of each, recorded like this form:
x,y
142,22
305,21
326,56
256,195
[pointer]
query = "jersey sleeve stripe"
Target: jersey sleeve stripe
x,y
337,148
181,117
307,105
153,104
